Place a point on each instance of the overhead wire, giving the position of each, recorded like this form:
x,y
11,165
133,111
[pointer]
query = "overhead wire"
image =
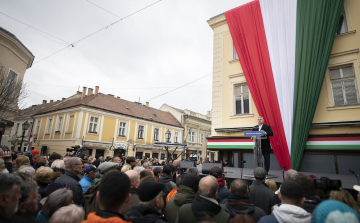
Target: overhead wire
x,y
103,9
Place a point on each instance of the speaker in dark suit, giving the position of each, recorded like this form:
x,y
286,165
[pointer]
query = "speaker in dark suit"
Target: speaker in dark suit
x,y
265,143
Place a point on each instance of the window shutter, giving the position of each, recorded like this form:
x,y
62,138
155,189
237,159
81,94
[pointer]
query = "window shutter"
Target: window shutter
x,y
350,91
338,93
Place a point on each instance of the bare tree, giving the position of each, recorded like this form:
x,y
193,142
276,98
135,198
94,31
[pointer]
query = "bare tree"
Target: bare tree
x,y
12,93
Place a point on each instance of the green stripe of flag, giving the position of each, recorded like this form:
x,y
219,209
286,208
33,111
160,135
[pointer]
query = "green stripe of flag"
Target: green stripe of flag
x,y
333,147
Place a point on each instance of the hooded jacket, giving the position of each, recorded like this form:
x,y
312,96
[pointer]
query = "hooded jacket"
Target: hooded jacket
x,y
144,214
72,181
105,217
286,213
202,209
241,205
134,200
262,196
184,195
91,204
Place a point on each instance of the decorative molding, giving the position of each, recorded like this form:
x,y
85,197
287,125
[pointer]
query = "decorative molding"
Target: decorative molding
x,y
236,75
343,107
349,33
242,116
345,52
217,21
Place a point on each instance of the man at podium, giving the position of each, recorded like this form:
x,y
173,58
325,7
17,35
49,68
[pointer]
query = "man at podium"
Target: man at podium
x,y
265,143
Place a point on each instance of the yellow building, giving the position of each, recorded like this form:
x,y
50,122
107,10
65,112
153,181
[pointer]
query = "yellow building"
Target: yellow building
x,y
105,125
334,117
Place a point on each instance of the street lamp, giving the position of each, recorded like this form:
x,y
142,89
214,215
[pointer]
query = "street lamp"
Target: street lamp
x,y
167,135
25,127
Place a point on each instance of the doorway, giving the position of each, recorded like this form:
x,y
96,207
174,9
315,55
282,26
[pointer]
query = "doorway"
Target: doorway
x,y
99,152
139,155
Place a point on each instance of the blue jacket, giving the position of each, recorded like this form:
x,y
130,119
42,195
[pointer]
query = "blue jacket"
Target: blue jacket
x,y
85,182
222,194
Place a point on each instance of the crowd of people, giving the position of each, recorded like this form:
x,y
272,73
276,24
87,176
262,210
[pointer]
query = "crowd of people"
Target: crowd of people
x,y
73,189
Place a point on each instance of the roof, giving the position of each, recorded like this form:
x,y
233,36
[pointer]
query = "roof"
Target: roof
x,y
217,16
32,110
13,36
116,105
177,109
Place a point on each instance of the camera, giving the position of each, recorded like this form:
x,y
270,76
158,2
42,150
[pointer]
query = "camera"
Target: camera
x,y
325,184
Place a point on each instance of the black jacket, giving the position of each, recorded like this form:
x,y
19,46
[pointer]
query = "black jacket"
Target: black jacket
x,y
262,196
42,188
241,205
37,166
169,185
72,181
311,203
265,143
144,214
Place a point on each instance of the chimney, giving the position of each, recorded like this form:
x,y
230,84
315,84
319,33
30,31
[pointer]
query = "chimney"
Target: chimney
x,y
44,101
147,104
78,92
63,98
90,91
83,92
51,101
96,89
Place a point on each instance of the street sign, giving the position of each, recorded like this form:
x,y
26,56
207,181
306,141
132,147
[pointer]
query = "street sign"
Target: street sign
x,y
254,133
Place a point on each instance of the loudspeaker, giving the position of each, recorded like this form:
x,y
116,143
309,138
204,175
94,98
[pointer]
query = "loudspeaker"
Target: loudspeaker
x,y
207,166
186,164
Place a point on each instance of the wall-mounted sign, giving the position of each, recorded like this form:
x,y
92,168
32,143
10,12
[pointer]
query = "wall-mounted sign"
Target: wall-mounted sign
x,y
121,145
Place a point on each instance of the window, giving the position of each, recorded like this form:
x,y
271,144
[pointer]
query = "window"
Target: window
x,y
202,138
242,105
93,124
58,125
191,137
176,137
37,127
48,127
147,155
155,155
141,132
122,128
156,134
235,56
162,156
343,84
17,128
29,129
10,82
342,27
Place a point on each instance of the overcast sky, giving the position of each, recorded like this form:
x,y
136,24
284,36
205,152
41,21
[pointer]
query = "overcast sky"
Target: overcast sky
x,y
145,55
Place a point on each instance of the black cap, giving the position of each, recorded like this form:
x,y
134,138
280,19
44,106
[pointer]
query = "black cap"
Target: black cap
x,y
292,189
148,190
192,180
55,156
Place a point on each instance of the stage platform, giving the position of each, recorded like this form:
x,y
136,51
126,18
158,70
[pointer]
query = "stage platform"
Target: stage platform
x,y
348,181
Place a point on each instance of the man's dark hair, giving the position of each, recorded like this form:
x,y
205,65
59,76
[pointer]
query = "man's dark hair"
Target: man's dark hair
x,y
239,187
7,182
25,190
130,159
179,180
145,173
216,172
114,189
307,184
84,161
168,169
114,158
148,178
157,170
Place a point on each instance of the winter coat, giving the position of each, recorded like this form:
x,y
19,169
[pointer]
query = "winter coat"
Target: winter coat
x,y
85,183
144,214
169,185
286,213
184,195
42,188
104,217
134,200
202,209
223,193
311,203
91,204
241,205
37,166
72,181
262,196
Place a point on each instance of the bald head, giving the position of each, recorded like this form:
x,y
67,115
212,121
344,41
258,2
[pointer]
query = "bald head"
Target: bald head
x,y
239,188
176,163
134,178
208,187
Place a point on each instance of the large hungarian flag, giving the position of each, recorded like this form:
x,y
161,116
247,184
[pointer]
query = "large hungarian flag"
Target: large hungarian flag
x,y
284,48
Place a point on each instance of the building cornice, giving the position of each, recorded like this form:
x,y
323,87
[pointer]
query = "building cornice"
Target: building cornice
x,y
217,21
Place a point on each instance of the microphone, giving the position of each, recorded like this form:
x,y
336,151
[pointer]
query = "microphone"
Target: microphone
x,y
351,171
244,161
284,167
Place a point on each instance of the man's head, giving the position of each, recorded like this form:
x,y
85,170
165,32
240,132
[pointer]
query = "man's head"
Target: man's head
x,y
107,167
260,120
307,184
239,188
290,174
134,178
22,160
55,156
292,193
157,171
114,192
28,201
191,180
208,187
74,165
101,158
9,194
90,171
156,160
193,170
176,163
131,161
147,165
165,159
169,169
41,160
150,194
260,173
116,159
216,172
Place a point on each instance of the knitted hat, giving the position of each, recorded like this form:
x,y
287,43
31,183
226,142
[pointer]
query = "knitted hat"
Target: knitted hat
x,y
334,211
28,154
34,152
191,180
55,156
148,190
53,187
292,189
104,167
90,169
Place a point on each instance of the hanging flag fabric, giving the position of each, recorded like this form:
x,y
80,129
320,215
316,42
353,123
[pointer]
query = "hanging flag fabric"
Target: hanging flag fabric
x,y
29,143
284,48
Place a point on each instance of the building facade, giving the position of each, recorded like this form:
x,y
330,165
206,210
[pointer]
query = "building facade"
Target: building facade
x,y
15,59
105,125
197,128
333,145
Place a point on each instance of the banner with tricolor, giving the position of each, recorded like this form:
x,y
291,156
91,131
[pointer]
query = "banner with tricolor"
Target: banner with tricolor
x,y
284,48
29,143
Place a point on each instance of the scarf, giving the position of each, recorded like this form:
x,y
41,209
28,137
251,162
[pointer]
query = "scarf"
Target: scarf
x,y
221,182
